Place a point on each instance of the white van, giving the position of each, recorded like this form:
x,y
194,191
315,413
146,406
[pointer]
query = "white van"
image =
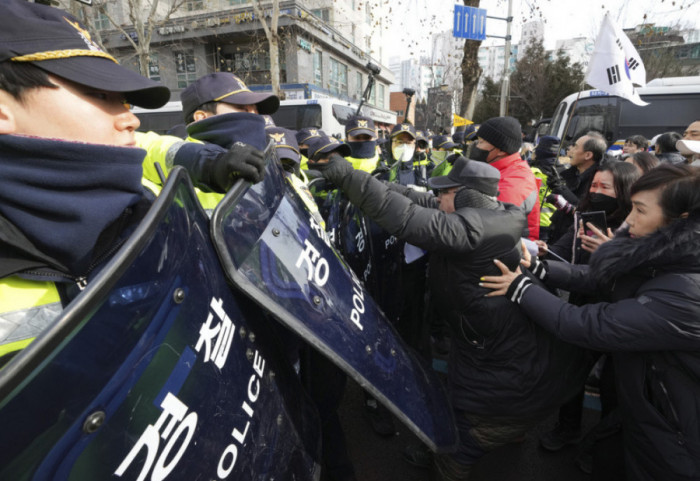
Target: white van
x,y
673,104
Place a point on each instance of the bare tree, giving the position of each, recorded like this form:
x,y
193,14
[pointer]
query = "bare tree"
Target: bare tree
x,y
144,18
273,40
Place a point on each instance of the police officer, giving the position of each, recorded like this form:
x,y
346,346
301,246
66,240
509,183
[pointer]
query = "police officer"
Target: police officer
x,y
303,137
403,148
71,186
443,147
226,136
361,137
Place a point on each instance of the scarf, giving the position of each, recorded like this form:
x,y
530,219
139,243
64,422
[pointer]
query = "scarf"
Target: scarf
x,y
62,195
227,129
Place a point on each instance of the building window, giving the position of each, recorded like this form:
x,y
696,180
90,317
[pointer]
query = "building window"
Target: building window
x,y
185,67
101,21
251,61
380,100
359,88
322,13
373,96
318,68
237,2
192,5
153,67
368,13
339,78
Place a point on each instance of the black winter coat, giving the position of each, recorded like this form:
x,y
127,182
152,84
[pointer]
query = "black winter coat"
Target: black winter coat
x,y
501,364
653,331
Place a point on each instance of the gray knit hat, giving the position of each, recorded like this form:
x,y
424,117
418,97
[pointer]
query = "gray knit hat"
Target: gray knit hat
x,y
504,133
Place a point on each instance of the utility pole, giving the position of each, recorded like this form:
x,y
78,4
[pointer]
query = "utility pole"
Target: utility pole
x,y
505,84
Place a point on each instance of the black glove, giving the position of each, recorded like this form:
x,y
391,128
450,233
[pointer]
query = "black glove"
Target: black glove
x,y
240,161
336,169
555,183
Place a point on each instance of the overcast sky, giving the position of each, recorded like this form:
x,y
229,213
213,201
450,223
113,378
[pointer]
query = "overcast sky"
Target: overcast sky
x,y
563,19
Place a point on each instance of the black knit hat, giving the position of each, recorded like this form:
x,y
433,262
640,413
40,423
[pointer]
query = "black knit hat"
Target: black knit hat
x,y
504,133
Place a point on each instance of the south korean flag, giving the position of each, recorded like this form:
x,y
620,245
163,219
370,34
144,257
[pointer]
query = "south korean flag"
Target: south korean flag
x,y
615,65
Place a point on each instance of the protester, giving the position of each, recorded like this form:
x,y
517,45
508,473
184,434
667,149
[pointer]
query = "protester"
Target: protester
x,y
651,271
503,375
585,156
644,161
499,141
609,193
634,144
665,148
689,145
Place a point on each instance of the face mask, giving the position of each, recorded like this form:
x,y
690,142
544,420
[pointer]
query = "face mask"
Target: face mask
x,y
403,152
439,156
304,152
363,150
480,155
603,202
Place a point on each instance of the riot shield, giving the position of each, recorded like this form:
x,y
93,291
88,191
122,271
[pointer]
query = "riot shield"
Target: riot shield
x,y
274,251
158,370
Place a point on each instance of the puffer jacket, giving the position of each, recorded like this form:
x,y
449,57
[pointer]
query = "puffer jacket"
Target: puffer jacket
x,y
502,364
652,328
518,186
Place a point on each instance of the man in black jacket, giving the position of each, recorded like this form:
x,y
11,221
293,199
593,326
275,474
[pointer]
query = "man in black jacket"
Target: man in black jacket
x,y
505,374
585,154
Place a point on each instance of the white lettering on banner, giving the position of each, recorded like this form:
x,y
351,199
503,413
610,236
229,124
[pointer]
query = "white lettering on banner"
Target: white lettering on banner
x,y
227,460
358,302
178,423
390,241
316,266
221,335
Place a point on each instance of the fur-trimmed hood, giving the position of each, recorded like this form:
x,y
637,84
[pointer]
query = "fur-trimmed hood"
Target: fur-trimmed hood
x,y
674,248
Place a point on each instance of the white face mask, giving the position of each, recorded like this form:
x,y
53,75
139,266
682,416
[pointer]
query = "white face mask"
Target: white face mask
x,y
403,152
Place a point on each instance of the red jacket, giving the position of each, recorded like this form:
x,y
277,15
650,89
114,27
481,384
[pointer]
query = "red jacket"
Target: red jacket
x,y
518,186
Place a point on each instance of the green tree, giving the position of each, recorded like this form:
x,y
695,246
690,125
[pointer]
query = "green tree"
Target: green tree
x,y
540,82
488,104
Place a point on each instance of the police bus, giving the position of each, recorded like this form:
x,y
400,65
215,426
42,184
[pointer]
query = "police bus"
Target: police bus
x,y
674,103
329,114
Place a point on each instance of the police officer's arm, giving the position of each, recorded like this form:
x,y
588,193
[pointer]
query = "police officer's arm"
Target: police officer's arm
x,y
428,228
208,164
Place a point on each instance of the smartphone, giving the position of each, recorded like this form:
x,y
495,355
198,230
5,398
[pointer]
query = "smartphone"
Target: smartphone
x,y
596,218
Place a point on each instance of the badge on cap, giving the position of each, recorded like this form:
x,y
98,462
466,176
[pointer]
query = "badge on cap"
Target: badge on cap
x,y
362,123
278,138
84,34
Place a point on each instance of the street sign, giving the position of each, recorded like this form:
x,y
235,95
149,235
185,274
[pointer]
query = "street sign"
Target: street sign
x,y
469,23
